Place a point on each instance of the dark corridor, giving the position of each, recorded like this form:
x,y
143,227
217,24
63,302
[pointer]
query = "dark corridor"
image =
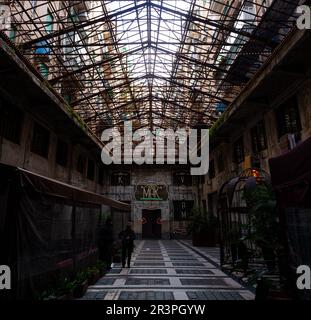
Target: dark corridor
x,y
151,224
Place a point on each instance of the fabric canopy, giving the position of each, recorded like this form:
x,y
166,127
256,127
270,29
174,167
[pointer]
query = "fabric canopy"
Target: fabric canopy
x,y
291,174
59,189
291,178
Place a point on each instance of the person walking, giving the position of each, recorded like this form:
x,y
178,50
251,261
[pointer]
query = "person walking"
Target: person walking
x,y
127,236
105,243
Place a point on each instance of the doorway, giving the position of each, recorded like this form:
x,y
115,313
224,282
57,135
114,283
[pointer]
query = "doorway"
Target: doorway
x,y
151,224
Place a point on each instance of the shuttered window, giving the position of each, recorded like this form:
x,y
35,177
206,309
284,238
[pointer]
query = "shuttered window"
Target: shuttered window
x,y
11,122
259,138
40,140
238,151
288,117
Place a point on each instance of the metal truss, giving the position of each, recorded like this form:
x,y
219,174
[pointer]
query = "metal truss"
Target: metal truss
x,y
160,63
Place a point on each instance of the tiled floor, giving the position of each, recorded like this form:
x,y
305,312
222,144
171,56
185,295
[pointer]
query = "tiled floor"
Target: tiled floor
x,y
169,270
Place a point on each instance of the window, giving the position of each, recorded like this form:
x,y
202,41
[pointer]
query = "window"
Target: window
x,y
49,23
11,122
12,34
238,151
44,70
211,171
182,179
62,153
120,179
33,6
81,164
259,138
68,98
90,169
288,117
100,176
40,140
182,209
220,162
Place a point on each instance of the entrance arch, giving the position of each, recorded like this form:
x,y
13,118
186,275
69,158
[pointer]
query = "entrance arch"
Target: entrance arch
x,y
151,227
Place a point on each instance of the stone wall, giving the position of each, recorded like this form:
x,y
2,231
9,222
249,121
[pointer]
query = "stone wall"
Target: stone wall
x,y
157,176
275,145
20,155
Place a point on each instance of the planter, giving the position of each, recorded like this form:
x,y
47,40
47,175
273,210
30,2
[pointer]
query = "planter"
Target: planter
x,y
116,259
204,239
80,289
65,296
102,271
94,276
278,295
269,257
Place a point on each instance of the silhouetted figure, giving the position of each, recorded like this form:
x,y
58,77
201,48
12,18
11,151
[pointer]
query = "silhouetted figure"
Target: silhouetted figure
x,y
105,243
127,236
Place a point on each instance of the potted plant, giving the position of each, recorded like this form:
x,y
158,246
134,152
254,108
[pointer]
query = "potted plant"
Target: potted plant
x,y
81,284
48,294
263,230
203,227
101,267
92,275
64,290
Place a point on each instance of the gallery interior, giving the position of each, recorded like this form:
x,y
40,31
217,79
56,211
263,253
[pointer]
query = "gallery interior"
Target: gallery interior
x,y
236,73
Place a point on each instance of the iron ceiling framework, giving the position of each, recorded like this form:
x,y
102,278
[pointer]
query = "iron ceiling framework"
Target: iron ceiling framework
x,y
161,63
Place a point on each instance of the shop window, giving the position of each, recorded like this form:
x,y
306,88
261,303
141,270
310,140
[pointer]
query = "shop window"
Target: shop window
x,y
40,140
11,122
259,138
238,151
288,118
90,169
62,153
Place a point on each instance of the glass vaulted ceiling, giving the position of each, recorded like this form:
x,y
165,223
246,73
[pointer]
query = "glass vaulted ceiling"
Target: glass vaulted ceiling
x,y
160,63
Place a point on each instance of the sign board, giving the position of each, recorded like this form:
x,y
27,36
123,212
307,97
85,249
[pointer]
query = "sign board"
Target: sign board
x,y
151,192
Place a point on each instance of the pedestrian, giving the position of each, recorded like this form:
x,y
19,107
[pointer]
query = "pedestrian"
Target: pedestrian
x,y
127,236
105,243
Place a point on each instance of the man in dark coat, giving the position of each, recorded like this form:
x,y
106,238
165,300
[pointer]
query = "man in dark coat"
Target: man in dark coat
x,y
127,236
105,243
